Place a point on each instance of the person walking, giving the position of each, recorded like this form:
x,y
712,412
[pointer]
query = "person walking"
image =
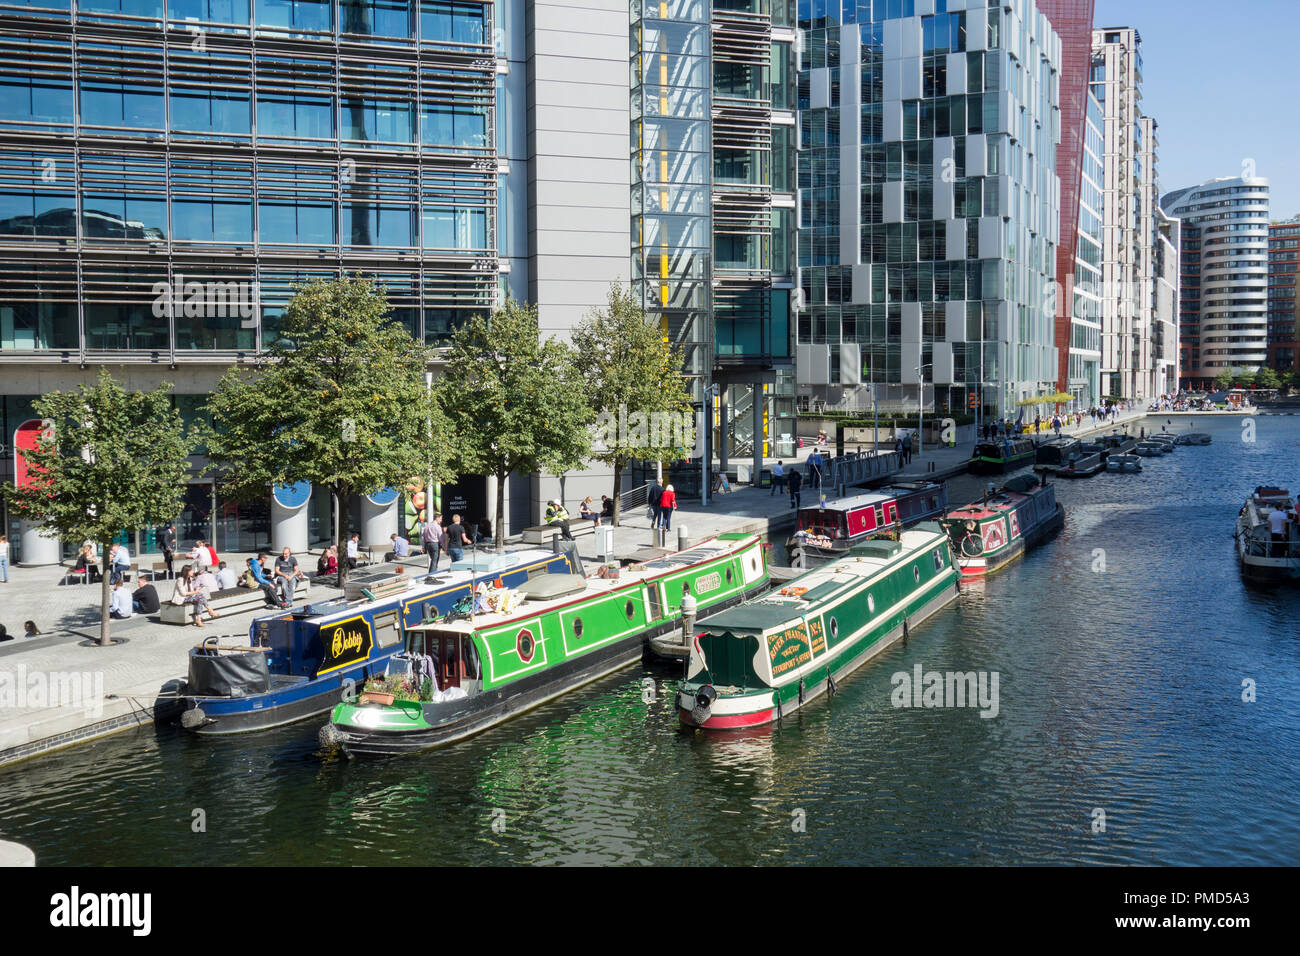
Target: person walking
x,y
167,541
907,448
667,505
655,497
455,540
4,559
795,483
778,478
815,468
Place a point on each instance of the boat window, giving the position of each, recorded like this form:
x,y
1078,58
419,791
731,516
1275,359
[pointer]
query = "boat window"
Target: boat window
x,y
386,629
729,575
938,560
525,645
577,627
871,604
472,668
916,573
835,628
629,609
686,589
653,593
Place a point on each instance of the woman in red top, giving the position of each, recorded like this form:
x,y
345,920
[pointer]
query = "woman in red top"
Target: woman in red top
x,y
667,505
216,562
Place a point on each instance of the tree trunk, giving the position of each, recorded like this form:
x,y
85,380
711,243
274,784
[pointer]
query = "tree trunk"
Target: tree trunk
x,y
501,511
105,591
340,494
618,490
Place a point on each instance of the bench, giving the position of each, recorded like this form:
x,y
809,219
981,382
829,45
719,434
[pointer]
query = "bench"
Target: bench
x,y
228,601
543,533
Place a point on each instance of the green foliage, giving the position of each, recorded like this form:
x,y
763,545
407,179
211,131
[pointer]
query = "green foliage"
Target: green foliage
x,y
1223,381
633,379
1265,377
513,400
113,461
339,400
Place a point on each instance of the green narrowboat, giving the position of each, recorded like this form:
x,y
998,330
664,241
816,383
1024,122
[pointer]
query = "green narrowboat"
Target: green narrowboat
x,y
1001,455
456,678
765,659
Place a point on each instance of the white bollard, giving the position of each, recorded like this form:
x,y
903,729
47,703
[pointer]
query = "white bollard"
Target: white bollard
x,y
681,538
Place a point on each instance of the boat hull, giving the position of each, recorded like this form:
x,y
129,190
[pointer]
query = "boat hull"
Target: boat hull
x,y
974,568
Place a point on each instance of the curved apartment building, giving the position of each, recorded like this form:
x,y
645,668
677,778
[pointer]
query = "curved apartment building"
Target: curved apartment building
x,y
1224,276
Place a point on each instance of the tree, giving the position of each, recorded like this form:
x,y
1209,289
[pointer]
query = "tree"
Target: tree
x,y
339,400
513,400
112,461
1265,377
633,378
1223,381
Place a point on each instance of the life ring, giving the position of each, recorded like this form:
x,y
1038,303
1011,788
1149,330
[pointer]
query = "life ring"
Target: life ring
x,y
794,591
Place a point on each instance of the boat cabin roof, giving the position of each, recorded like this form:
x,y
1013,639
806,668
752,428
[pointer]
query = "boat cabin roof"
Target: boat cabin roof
x,y
998,504
851,503
800,595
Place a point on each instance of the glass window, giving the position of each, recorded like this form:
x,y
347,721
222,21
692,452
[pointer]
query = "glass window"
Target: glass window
x,y
444,22
209,11
296,15
382,121
38,325
25,100
453,125
295,117
377,224
132,8
206,220
210,111
124,326
122,105
452,228
378,18
37,213
301,223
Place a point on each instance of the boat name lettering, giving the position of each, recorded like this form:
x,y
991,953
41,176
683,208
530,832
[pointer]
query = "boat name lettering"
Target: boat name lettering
x,y
789,649
708,582
346,641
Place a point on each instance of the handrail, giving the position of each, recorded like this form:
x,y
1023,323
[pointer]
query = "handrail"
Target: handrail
x,y
636,498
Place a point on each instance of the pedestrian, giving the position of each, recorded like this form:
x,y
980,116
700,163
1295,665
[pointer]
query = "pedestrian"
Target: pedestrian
x,y
898,449
607,507
667,505
167,541
119,606
815,468
354,550
795,483
778,478
287,573
256,574
907,448
145,599
558,515
655,497
4,559
432,537
1056,425
455,540
30,629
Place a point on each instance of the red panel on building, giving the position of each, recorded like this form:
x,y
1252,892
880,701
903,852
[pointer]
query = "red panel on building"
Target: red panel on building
x,y
1072,20
26,436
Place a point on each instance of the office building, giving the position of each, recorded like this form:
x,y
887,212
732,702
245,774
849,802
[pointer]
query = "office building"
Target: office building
x,y
1283,312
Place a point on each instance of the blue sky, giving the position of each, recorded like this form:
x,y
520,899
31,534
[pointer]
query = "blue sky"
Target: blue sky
x,y
1222,80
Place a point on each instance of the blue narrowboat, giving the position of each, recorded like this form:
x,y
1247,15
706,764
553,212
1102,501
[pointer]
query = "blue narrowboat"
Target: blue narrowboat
x,y
301,662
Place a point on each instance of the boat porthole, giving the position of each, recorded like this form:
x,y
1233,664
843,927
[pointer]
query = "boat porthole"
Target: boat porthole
x,y
629,609
835,628
686,587
871,604
728,575
577,627
916,573
525,645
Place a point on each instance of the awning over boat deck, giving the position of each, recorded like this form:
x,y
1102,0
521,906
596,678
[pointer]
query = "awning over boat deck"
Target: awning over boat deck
x,y
760,616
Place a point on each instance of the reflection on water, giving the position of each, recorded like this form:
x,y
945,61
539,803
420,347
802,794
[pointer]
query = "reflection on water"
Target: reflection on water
x,y
1120,691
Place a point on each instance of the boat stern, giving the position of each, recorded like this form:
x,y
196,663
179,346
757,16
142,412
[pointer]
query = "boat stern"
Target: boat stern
x,y
705,707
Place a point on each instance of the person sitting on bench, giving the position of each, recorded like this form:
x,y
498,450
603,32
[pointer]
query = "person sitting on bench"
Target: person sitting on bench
x,y
558,515
258,574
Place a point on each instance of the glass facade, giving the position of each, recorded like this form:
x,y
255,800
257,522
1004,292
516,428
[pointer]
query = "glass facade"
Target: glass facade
x,y
369,146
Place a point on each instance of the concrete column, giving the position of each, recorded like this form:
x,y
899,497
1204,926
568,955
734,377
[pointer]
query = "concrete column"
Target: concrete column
x,y
289,520
37,549
760,402
378,522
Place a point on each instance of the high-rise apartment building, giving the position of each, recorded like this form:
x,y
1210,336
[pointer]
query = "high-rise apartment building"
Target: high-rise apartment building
x,y
1223,287
1283,307
1084,280
1131,231
928,202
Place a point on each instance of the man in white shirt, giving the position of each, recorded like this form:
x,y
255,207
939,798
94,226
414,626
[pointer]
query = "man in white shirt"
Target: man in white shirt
x,y
401,547
354,550
226,577
778,478
120,561
1277,525
120,605
200,555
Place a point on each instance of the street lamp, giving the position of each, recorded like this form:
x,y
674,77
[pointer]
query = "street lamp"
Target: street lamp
x,y
920,405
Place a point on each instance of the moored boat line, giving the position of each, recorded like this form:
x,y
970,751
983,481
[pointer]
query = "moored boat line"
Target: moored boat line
x,y
988,534
833,527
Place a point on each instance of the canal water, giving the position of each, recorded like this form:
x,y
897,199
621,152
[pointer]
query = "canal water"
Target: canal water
x,y
1121,734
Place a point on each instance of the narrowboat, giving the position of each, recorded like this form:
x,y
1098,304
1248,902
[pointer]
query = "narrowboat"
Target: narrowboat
x,y
458,678
1150,449
1267,558
1193,438
1118,444
1001,455
1124,463
1068,458
765,659
299,662
988,534
829,530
